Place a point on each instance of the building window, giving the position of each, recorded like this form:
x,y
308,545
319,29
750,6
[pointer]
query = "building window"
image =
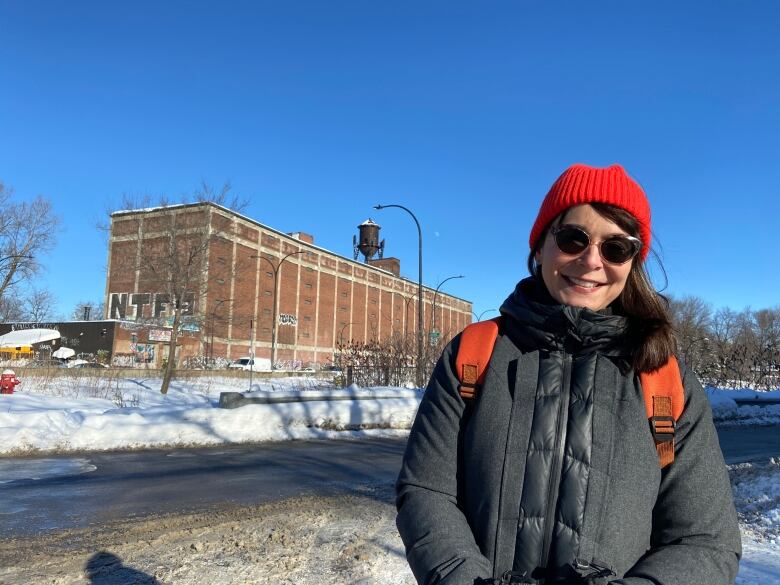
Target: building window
x,y
307,318
267,293
308,285
343,294
266,311
307,301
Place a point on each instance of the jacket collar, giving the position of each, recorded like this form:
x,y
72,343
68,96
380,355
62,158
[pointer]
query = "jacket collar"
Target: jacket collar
x,y
536,321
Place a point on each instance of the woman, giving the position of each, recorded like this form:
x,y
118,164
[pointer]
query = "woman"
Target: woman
x,y
551,475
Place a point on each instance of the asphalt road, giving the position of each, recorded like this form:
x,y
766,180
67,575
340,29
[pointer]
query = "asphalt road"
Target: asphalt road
x,y
78,491
99,487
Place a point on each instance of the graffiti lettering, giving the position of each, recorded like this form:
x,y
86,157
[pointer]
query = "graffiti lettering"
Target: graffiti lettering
x,y
130,306
118,306
123,360
23,326
139,301
285,319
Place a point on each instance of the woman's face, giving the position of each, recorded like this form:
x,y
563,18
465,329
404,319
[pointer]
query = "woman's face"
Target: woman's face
x,y
584,280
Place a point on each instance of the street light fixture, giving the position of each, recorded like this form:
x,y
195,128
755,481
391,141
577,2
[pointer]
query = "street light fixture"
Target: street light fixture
x,y
275,268
482,313
419,290
435,294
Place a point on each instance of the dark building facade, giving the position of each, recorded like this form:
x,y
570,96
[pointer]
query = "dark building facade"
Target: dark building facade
x,y
86,338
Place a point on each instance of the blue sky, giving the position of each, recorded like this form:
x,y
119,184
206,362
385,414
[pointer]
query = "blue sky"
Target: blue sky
x,y
464,112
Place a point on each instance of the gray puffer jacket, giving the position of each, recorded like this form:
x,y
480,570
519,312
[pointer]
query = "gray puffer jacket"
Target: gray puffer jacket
x,y
553,473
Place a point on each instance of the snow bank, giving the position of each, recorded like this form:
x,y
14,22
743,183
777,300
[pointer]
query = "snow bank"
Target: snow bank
x,y
133,414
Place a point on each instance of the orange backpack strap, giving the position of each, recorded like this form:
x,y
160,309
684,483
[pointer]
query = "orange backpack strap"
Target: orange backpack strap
x,y
476,347
664,402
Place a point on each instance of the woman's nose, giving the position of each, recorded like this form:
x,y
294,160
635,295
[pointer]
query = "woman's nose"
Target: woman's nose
x,y
591,257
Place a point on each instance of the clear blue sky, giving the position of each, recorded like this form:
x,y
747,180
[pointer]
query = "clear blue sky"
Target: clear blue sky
x,y
464,112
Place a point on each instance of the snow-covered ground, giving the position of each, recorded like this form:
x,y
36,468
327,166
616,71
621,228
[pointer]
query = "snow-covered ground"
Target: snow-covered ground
x,y
726,413
58,414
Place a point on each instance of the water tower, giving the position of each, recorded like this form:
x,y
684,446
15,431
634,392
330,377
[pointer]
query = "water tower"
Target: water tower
x,y
367,243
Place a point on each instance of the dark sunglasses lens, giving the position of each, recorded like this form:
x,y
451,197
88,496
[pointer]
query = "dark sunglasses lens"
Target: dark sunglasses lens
x,y
618,250
571,240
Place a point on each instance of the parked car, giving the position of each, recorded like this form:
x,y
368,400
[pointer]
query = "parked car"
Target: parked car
x,y
247,363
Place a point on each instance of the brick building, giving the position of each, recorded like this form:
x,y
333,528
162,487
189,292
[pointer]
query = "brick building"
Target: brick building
x,y
324,298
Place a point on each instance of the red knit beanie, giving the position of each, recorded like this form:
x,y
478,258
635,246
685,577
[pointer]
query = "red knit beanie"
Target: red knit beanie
x,y
581,184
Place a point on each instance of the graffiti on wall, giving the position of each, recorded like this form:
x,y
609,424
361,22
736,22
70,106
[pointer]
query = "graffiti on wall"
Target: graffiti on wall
x,y
143,353
123,360
187,323
285,319
159,334
23,326
131,306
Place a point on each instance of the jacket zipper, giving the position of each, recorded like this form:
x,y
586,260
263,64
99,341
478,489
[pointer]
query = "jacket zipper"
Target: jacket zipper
x,y
557,464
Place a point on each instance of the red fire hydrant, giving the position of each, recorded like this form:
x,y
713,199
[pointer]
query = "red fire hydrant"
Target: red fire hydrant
x,y
8,381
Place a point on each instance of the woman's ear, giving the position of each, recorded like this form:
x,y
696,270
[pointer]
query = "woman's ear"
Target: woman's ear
x,y
538,255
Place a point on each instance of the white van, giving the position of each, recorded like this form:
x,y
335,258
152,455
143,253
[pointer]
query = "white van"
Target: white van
x,y
247,363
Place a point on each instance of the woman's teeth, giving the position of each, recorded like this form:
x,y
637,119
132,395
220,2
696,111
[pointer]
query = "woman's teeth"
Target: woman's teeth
x,y
584,283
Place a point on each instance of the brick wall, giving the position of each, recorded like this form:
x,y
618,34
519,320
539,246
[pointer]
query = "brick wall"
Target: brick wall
x,y
323,298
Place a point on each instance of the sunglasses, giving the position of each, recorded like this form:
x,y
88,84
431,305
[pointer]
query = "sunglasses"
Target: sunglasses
x,y
574,240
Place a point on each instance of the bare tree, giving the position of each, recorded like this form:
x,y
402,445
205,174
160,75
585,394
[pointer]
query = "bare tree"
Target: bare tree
x,y
691,316
11,307
766,351
87,310
38,305
174,247
27,230
723,331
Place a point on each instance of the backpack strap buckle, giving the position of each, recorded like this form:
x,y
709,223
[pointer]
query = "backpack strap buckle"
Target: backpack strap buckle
x,y
468,382
663,428
664,403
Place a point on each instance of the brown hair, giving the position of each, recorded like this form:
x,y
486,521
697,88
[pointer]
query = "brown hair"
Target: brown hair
x,y
649,323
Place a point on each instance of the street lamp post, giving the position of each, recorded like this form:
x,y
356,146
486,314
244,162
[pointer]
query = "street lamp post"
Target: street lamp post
x,y
419,291
435,294
276,268
217,304
341,332
406,314
341,343
482,313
